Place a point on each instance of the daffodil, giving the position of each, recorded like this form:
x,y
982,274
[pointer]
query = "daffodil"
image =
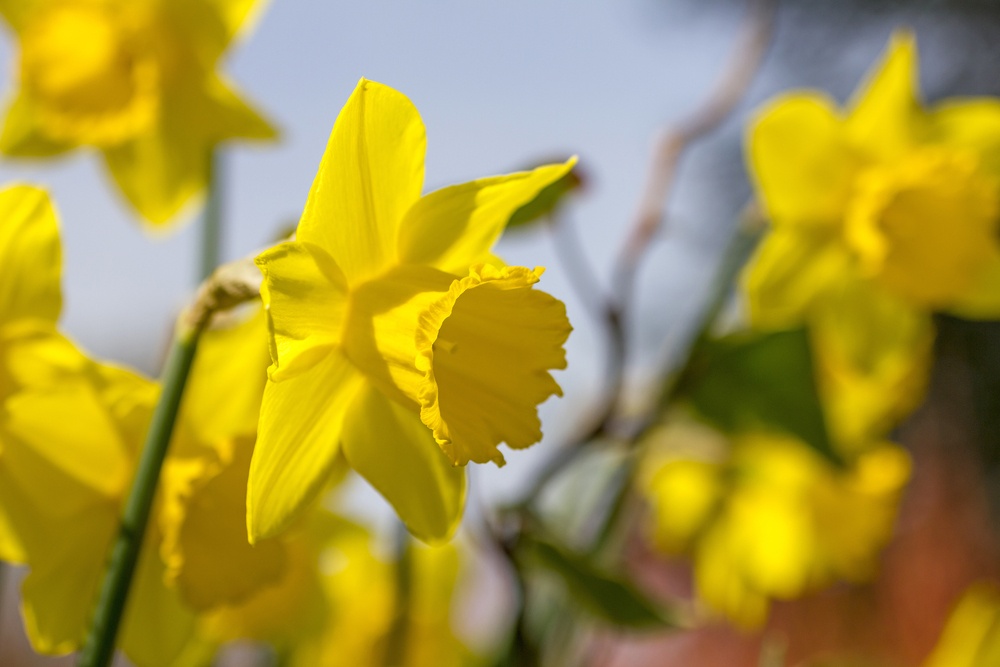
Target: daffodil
x,y
137,81
365,620
62,484
397,338
882,213
971,637
764,517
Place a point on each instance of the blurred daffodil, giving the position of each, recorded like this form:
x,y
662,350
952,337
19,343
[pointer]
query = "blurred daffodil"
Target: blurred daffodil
x,y
366,624
62,483
134,80
764,517
397,338
882,213
971,637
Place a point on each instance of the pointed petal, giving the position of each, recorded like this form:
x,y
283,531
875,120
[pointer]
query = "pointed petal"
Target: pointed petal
x,y
305,297
791,270
456,227
885,117
233,117
800,161
371,173
222,398
301,419
30,256
21,136
389,446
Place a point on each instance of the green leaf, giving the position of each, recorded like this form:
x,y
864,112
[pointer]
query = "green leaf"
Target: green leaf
x,y
609,598
547,201
751,381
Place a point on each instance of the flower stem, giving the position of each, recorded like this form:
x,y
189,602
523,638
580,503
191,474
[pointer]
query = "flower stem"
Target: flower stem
x,y
211,224
99,647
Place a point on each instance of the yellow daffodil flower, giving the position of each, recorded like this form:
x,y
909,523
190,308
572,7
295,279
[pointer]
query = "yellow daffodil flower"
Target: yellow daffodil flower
x,y
30,296
62,484
362,598
764,517
134,80
971,637
882,213
395,334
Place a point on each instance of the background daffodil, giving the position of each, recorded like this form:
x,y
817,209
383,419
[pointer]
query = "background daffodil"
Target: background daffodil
x,y
881,214
136,81
764,516
397,338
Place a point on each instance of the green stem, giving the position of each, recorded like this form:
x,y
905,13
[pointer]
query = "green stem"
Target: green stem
x,y
211,224
99,647
397,641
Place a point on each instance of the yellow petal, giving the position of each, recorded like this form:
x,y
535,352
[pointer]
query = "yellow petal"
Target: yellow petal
x,y
487,347
222,397
790,271
971,637
59,592
11,548
971,126
157,626
22,137
885,117
205,546
231,116
389,446
800,161
304,294
371,173
456,227
30,256
301,419
15,11
982,302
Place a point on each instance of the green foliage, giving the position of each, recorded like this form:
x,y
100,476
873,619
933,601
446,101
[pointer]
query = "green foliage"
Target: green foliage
x,y
547,201
751,381
608,597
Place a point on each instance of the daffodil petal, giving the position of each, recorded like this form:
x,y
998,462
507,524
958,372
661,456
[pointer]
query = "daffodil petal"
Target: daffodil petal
x,y
800,161
885,117
30,256
791,270
157,626
15,11
982,302
371,173
390,447
970,125
21,136
232,116
205,546
222,397
305,296
301,420
59,592
456,227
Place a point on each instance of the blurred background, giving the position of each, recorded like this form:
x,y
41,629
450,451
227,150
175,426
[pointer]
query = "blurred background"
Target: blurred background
x,y
502,86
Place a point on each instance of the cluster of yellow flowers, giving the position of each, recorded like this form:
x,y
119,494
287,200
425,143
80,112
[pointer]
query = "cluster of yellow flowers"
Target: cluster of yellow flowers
x,y
390,340
880,215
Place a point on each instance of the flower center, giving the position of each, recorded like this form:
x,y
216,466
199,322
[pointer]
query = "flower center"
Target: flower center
x,y
86,66
926,226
